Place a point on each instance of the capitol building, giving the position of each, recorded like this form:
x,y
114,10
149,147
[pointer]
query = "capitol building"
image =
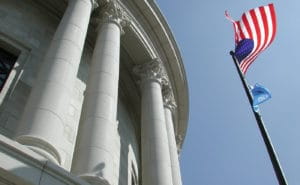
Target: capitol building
x,y
92,92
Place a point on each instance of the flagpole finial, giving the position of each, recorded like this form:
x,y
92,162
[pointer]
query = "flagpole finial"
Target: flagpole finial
x,y
231,53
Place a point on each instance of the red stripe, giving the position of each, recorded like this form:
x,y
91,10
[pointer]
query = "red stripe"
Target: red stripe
x,y
236,37
242,35
258,35
247,25
273,15
266,25
266,31
246,68
248,28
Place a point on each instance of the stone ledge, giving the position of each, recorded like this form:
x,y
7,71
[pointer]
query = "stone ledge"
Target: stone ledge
x,y
20,165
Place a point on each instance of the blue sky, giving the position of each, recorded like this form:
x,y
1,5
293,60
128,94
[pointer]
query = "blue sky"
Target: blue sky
x,y
223,145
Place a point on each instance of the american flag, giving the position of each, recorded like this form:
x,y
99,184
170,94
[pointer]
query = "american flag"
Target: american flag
x,y
253,33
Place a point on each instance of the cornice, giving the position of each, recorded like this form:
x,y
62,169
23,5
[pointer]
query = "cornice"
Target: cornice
x,y
139,31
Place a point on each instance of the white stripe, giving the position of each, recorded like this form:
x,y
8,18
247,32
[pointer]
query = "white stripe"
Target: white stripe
x,y
270,25
267,40
237,31
244,30
261,28
254,36
252,28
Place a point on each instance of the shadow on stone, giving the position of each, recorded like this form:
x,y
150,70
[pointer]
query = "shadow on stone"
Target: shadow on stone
x,y
99,169
123,165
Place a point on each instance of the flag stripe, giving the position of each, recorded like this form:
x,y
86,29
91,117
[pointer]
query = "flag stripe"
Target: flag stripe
x,y
242,36
270,26
247,25
273,22
257,30
265,30
244,30
259,26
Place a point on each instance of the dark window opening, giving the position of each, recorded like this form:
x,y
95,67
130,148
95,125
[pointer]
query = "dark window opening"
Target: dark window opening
x,y
134,180
7,62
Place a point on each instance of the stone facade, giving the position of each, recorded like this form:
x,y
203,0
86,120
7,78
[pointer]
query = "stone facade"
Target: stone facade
x,y
91,97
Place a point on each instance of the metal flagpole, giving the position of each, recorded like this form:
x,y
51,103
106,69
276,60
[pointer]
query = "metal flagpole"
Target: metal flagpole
x,y
272,154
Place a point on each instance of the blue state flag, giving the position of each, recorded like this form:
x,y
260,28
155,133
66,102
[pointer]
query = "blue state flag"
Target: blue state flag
x,y
260,94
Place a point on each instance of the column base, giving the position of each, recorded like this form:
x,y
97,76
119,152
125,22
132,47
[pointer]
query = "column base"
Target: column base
x,y
94,180
41,147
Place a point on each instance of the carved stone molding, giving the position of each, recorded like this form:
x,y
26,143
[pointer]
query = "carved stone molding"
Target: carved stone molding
x,y
95,4
179,140
102,2
111,12
168,96
152,70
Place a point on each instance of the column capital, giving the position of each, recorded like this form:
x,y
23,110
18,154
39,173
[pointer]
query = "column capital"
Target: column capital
x,y
168,96
152,71
95,4
179,140
111,12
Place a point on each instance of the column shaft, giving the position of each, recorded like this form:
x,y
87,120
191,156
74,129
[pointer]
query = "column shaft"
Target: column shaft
x,y
42,124
94,159
176,176
156,165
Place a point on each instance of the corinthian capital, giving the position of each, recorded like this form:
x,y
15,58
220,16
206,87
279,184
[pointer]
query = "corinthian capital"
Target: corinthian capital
x,y
94,4
179,141
151,71
168,96
112,12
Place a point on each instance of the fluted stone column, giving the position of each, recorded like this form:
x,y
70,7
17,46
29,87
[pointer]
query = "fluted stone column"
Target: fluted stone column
x,y
94,159
42,124
156,165
170,105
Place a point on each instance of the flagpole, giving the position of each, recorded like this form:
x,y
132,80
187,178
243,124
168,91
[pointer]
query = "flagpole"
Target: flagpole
x,y
272,154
